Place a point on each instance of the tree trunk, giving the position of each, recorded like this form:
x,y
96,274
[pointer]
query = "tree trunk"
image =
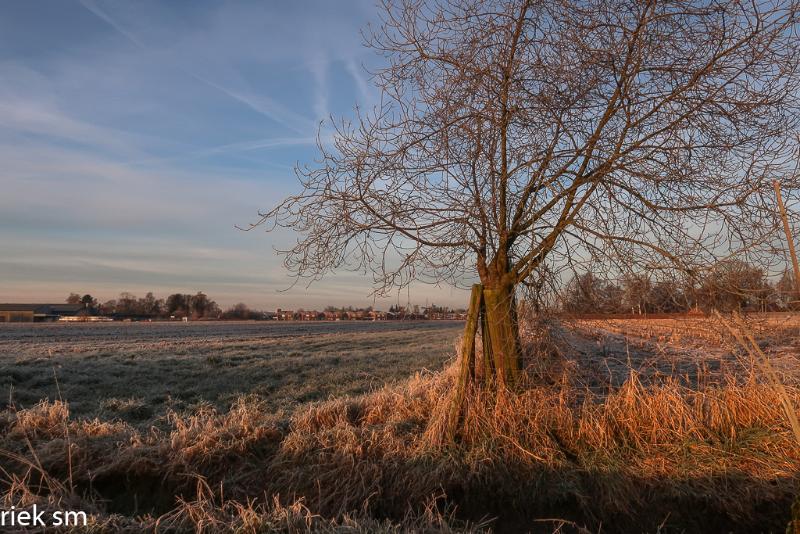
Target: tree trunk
x,y
495,310
467,365
501,335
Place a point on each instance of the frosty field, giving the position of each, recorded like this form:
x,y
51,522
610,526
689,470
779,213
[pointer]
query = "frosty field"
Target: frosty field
x,y
136,371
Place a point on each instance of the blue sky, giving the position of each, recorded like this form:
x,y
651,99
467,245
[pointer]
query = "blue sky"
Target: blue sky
x,y
135,135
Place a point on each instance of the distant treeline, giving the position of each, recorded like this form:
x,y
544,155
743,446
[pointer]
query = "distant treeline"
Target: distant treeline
x,y
199,306
175,306
730,285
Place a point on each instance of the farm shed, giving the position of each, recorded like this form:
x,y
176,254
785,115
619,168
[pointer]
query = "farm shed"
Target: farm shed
x,y
28,313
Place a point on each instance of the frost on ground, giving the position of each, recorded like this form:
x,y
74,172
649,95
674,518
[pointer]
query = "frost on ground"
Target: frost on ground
x,y
136,372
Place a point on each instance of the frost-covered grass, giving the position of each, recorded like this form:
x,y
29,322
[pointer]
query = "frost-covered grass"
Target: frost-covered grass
x,y
137,372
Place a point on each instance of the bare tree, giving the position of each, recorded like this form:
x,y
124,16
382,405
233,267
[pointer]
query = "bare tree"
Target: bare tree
x,y
636,293
734,285
667,296
786,292
587,293
516,136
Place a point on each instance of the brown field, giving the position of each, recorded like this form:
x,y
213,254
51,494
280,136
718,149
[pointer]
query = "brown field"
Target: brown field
x,y
685,347
698,331
664,425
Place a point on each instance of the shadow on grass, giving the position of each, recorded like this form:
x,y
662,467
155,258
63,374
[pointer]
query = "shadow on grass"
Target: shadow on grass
x,y
515,498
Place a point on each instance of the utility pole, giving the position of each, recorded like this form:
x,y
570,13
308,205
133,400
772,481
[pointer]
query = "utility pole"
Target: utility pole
x,y
789,239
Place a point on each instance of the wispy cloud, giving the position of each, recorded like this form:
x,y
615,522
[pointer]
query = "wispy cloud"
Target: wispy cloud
x,y
239,147
264,105
319,70
357,73
268,143
95,9
134,137
260,103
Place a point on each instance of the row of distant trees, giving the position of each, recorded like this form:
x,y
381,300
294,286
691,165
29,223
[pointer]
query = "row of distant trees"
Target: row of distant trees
x,y
199,306
177,305
730,285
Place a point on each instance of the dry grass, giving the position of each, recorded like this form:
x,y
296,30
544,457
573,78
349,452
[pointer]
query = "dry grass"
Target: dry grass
x,y
645,456
700,331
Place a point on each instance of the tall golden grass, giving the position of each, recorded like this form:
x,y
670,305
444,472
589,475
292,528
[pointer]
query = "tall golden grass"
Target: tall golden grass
x,y
639,457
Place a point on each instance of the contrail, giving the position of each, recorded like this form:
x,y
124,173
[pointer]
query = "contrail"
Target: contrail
x,y
263,105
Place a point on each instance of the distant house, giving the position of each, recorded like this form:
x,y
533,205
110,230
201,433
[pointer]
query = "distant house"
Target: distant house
x,y
310,315
28,313
284,315
376,315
